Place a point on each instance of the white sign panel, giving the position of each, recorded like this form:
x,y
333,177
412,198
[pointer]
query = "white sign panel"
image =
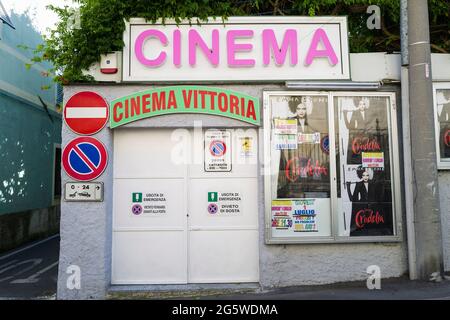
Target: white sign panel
x,y
302,216
83,191
224,203
148,203
217,151
245,48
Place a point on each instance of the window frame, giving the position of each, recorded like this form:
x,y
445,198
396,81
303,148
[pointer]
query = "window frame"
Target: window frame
x,y
56,200
395,169
441,164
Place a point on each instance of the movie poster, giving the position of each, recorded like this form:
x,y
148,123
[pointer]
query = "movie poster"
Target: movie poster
x,y
364,166
443,116
300,165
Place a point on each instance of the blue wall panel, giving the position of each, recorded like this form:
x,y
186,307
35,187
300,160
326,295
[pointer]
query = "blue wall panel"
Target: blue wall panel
x,y
27,138
27,135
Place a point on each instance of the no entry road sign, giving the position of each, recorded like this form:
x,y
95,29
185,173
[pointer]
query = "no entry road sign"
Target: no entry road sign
x,y
86,113
84,158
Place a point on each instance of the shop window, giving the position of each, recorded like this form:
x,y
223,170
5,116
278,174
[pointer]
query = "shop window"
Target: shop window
x,y
442,123
330,180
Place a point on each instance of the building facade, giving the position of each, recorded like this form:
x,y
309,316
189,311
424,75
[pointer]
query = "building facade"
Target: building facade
x,y
239,155
30,140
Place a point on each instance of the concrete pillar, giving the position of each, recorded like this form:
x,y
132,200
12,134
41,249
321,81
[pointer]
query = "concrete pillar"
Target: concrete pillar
x,y
427,220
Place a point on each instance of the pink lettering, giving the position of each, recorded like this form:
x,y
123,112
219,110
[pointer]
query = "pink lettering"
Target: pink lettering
x,y
270,42
177,48
364,144
294,170
447,138
366,216
139,46
211,54
321,36
233,48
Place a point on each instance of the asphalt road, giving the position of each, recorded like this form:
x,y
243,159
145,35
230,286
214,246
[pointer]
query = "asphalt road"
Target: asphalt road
x,y
391,289
31,271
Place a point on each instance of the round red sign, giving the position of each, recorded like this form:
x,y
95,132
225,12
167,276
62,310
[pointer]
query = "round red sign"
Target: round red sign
x,y
84,158
86,113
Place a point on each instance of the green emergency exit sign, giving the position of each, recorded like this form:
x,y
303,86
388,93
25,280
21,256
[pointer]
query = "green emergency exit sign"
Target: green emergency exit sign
x,y
212,196
137,196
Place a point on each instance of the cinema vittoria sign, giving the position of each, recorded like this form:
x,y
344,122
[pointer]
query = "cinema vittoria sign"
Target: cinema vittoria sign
x,y
184,99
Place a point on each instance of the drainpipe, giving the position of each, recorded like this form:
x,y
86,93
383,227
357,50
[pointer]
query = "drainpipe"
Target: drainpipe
x,y
407,167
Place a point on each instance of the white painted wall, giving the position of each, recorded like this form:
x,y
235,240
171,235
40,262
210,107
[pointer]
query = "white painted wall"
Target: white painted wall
x,y
372,66
86,228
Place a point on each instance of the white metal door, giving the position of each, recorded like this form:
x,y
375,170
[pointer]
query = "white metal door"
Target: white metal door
x,y
148,248
185,243
223,247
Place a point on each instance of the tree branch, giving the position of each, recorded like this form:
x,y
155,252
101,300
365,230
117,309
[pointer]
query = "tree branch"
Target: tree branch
x,y
336,9
437,48
386,31
275,7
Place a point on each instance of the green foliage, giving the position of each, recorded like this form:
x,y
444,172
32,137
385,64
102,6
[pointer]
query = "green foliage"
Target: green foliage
x,y
74,45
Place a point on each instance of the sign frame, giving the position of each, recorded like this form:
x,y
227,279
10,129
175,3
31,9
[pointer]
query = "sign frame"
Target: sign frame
x,y
396,188
181,99
442,163
102,188
230,76
87,139
229,149
90,133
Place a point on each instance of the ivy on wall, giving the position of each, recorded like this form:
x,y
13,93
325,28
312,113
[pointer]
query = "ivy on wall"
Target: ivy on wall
x,y
80,37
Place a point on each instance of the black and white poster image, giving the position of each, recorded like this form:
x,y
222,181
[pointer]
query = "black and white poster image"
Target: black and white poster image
x,y
443,115
301,137
364,166
300,166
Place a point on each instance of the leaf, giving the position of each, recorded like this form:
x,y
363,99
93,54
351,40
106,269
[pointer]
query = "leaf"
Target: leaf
x,y
102,25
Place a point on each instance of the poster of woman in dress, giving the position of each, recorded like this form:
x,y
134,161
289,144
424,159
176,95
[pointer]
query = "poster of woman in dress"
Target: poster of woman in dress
x,y
371,208
364,166
300,162
304,160
364,124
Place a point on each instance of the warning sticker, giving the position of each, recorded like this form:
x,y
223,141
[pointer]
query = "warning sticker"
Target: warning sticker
x,y
149,204
294,215
224,203
217,151
372,159
285,141
247,146
285,126
309,138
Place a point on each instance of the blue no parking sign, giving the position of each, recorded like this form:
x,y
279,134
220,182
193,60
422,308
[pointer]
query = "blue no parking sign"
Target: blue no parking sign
x,y
217,148
84,158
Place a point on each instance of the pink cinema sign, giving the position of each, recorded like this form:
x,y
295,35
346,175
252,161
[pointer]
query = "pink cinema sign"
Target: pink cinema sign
x,y
245,48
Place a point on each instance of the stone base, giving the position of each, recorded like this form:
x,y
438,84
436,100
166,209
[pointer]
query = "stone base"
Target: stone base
x,y
21,227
